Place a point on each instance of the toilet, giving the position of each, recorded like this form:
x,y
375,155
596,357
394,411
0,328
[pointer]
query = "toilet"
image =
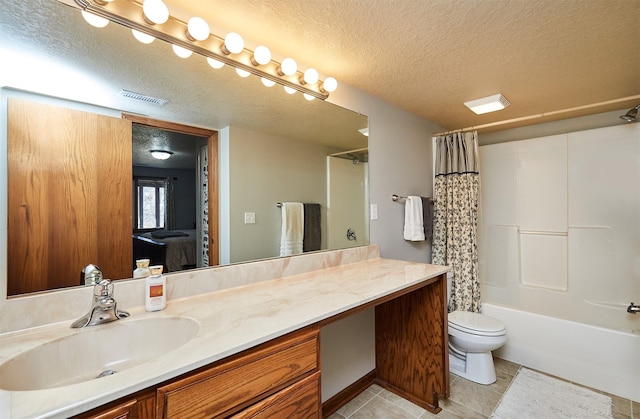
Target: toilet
x,y
472,337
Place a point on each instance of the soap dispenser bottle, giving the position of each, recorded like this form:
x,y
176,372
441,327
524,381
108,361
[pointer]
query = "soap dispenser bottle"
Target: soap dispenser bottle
x,y
142,269
155,289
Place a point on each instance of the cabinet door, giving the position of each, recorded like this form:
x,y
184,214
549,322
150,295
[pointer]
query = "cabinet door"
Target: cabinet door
x,y
69,196
412,345
300,400
234,384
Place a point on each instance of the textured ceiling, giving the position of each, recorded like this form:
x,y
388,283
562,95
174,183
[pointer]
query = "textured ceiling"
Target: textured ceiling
x,y
425,56
46,47
430,56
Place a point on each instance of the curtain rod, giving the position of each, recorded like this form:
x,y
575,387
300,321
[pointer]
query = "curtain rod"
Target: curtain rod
x,y
540,115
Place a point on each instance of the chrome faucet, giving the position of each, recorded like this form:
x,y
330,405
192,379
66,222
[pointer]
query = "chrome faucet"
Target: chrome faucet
x,y
633,308
104,308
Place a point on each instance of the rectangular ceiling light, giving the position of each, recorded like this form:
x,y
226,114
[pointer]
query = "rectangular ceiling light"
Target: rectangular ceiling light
x,y
488,104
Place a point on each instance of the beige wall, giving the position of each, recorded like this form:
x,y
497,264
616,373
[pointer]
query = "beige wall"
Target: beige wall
x,y
262,170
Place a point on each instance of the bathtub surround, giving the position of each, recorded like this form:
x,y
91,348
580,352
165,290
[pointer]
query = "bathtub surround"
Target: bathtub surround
x,y
456,186
560,237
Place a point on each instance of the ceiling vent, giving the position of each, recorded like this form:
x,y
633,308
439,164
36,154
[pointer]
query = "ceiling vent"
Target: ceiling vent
x,y
143,98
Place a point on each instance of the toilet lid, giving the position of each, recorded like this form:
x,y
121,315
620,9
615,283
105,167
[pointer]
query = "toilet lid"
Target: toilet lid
x,y
476,323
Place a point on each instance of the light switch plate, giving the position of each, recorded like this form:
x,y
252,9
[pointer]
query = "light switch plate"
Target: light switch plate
x,y
374,211
249,217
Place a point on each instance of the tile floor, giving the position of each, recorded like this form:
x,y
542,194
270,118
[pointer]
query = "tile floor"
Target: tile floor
x,y
468,400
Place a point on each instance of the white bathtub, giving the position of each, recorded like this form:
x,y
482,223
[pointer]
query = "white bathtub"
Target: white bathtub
x,y
603,359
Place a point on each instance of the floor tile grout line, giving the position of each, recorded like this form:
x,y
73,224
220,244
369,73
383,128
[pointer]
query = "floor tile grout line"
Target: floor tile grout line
x,y
363,405
398,406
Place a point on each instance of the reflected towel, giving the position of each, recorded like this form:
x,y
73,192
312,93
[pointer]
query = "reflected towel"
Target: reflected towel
x,y
292,228
312,232
427,217
413,227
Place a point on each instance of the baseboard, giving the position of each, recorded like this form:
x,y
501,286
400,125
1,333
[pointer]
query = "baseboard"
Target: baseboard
x,y
332,405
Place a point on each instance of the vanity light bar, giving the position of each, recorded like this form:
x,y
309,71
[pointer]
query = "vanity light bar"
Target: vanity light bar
x,y
129,13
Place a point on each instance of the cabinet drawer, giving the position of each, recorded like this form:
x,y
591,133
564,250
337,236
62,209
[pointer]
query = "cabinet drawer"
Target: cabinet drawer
x,y
233,384
300,400
136,406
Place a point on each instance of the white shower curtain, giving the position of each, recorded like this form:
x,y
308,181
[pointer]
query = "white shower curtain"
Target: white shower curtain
x,y
455,225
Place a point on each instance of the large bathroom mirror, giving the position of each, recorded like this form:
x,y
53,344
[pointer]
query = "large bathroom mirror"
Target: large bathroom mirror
x,y
273,147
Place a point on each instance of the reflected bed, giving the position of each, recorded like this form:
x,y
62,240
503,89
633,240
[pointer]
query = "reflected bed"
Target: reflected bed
x,y
174,249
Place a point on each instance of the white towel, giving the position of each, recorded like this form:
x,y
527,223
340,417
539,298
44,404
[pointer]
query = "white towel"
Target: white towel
x,y
292,228
413,226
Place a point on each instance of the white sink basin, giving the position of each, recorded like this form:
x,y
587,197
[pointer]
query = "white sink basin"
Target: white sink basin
x,y
94,350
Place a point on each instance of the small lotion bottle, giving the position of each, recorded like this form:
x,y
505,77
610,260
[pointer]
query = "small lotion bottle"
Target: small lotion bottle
x,y
142,269
155,289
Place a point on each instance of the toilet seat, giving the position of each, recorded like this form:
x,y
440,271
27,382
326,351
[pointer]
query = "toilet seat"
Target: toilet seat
x,y
476,324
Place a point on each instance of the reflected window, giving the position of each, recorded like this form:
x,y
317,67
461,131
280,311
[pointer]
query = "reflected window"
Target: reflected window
x,y
150,208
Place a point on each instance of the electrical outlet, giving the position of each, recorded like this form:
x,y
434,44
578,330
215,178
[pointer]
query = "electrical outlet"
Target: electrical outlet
x,y
249,217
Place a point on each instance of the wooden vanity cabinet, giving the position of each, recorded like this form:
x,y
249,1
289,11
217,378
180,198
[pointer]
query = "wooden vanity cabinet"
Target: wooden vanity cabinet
x,y
279,378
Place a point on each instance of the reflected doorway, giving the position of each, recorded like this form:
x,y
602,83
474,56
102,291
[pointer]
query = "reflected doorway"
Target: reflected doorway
x,y
347,199
185,212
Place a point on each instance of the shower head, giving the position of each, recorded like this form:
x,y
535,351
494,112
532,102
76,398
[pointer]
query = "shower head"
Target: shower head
x,y
632,115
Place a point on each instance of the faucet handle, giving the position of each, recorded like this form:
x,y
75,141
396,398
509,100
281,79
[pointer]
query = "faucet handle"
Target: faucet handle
x,y
91,275
104,288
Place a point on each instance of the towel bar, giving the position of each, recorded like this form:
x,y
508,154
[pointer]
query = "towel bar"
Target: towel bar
x,y
279,204
396,198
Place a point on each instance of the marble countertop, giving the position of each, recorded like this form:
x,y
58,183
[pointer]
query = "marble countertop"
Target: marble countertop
x,y
230,320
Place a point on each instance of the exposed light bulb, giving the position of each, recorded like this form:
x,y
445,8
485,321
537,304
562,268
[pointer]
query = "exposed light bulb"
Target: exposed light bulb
x,y
310,76
181,52
267,82
233,44
198,29
215,63
308,96
289,90
242,73
261,56
155,11
94,20
142,37
329,85
288,67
